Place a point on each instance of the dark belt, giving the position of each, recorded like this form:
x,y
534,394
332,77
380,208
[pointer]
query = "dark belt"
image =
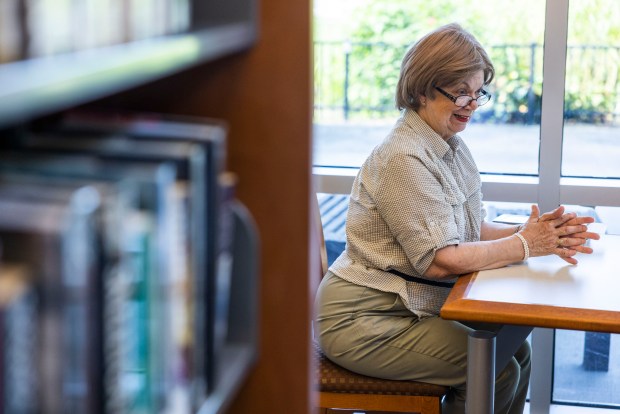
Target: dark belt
x,y
410,278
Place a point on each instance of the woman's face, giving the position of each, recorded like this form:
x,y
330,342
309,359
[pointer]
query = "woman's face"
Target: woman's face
x,y
443,115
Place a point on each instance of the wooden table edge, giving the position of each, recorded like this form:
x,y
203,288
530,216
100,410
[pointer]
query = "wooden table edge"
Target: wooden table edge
x,y
459,307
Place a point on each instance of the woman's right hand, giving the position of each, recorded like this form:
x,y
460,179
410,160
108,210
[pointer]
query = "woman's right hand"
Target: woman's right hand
x,y
557,232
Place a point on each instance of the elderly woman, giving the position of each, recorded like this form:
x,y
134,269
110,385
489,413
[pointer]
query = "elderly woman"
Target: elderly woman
x,y
416,222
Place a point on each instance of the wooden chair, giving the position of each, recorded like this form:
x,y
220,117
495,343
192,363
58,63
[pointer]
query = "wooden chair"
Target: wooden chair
x,y
341,389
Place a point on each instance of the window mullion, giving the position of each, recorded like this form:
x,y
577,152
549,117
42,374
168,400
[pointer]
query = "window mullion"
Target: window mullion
x,y
552,112
550,164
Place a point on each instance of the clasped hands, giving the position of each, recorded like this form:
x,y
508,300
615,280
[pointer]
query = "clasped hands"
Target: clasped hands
x,y
559,233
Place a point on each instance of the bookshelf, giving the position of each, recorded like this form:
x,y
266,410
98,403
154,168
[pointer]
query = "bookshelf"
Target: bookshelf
x,y
51,69
40,86
260,84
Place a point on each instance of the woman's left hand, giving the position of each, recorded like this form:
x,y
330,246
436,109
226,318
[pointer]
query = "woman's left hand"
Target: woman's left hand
x,y
575,237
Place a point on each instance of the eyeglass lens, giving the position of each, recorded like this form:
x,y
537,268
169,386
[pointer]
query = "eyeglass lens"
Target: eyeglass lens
x,y
464,100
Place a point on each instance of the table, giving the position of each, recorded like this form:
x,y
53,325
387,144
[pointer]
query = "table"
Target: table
x,y
542,292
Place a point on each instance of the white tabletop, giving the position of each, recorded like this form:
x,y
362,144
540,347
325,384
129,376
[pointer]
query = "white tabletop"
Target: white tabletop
x,y
594,283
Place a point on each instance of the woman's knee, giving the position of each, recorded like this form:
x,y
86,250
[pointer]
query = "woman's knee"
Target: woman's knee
x,y
524,355
507,381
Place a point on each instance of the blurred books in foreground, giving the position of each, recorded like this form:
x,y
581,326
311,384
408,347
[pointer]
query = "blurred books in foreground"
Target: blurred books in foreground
x,y
115,265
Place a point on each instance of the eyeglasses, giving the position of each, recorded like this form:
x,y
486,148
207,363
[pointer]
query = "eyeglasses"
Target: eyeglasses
x,y
464,100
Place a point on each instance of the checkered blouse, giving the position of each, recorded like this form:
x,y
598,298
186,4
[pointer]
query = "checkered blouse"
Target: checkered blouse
x,y
414,194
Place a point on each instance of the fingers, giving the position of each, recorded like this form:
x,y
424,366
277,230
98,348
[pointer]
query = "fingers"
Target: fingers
x,y
552,215
560,233
580,220
565,252
570,246
583,249
586,235
534,214
579,231
563,219
575,220
571,230
577,227
567,255
570,260
570,242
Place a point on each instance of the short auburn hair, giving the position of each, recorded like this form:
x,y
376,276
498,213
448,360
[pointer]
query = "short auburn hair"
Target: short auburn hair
x,y
443,57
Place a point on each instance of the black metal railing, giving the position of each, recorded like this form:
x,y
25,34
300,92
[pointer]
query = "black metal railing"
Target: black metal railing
x,y
358,79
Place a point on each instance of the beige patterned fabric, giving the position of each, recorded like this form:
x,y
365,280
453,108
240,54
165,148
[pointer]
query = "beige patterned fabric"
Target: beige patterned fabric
x,y
333,378
416,193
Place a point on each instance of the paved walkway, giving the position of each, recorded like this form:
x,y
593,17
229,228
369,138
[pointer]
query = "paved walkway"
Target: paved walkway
x,y
588,150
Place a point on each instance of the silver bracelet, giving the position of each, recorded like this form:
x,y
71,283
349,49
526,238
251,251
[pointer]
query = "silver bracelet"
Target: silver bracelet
x,y
526,248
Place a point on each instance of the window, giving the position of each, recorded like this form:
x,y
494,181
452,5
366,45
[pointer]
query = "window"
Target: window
x,y
583,367
592,91
549,135
357,67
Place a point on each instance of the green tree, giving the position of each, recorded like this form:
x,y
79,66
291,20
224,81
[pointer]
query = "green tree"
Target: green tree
x,y
385,29
593,61
378,33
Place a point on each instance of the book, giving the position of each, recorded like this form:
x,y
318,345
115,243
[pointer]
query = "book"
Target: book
x,y
211,135
168,237
189,160
56,239
19,339
227,183
141,188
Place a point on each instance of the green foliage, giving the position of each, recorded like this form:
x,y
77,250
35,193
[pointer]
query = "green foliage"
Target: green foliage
x,y
379,33
594,22
405,21
593,62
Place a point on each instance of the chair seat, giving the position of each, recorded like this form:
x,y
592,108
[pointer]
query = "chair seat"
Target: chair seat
x,y
334,378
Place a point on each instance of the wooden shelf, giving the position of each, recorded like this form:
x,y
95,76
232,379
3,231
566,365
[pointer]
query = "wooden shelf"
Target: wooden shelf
x,y
42,86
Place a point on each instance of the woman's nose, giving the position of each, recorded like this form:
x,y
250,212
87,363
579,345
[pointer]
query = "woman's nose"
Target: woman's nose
x,y
473,104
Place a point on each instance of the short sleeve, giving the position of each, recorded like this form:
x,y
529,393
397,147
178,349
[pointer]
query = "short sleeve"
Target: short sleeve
x,y
416,203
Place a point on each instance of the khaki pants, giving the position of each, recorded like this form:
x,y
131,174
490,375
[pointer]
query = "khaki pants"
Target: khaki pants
x,y
372,333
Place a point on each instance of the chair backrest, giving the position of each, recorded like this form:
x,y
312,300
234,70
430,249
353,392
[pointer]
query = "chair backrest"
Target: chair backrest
x,y
319,228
